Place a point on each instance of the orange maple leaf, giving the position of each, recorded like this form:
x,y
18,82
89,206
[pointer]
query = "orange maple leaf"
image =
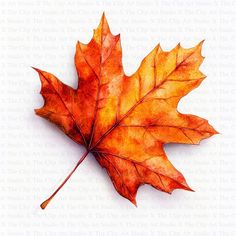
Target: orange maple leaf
x,y
124,121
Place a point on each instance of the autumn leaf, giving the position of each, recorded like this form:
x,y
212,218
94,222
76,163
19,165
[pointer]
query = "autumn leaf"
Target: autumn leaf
x,y
124,121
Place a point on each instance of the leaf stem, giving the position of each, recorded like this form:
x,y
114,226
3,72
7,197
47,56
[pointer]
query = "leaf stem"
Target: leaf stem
x,y
45,203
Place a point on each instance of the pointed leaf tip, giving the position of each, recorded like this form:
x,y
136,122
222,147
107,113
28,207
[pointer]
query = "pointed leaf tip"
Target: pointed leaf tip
x,y
34,68
103,26
37,69
134,202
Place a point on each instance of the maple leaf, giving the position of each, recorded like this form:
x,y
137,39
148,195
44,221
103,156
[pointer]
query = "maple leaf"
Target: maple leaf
x,y
124,121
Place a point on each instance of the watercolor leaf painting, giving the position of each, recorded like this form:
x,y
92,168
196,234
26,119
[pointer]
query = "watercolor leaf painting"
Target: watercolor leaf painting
x,y
124,121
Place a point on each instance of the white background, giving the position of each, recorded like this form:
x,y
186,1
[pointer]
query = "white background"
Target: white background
x,y
35,156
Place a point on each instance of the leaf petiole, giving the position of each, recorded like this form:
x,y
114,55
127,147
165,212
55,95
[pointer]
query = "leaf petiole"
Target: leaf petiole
x,y
45,203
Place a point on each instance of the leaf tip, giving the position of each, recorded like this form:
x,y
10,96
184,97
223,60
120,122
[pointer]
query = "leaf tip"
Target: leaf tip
x,y
37,70
189,189
212,130
102,30
199,46
134,202
201,43
34,68
186,187
36,111
104,23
